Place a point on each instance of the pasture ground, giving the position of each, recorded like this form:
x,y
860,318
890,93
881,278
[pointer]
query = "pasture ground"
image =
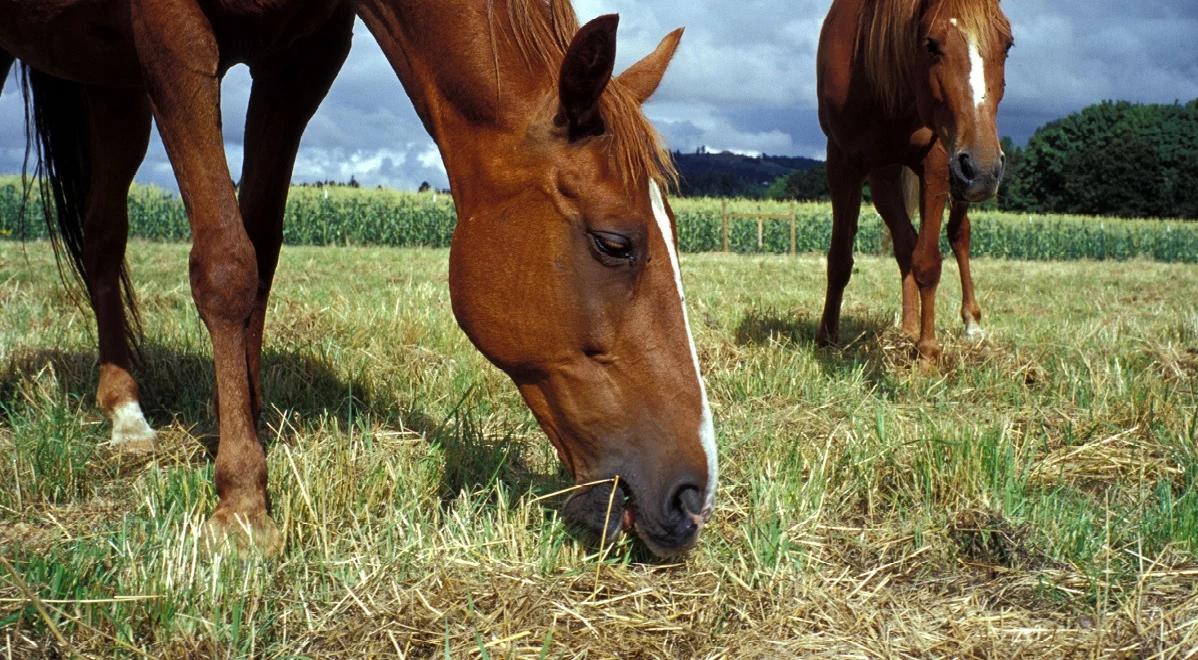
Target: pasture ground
x,y
1035,495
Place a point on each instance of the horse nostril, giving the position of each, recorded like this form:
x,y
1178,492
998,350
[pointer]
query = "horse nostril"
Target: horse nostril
x,y
966,164
687,500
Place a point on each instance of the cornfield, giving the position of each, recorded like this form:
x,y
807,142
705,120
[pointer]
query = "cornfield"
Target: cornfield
x,y
344,216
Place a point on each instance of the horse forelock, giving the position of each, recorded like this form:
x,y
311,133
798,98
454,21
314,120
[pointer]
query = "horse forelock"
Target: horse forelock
x,y
889,33
542,31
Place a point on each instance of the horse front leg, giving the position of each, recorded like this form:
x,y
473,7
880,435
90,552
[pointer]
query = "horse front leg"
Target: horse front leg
x,y
926,259
286,92
180,58
958,238
844,181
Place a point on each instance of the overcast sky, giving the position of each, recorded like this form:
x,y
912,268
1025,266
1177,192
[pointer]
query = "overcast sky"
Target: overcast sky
x,y
743,79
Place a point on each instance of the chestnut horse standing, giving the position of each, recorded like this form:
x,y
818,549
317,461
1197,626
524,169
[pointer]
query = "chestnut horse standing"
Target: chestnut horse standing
x,y
911,85
563,269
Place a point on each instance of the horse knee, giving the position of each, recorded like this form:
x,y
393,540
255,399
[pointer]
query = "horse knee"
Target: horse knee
x,y
926,271
224,279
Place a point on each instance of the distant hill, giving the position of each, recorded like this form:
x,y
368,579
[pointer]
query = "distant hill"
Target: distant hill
x,y
725,174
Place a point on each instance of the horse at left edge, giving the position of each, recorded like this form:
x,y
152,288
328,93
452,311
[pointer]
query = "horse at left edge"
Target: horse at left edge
x,y
563,269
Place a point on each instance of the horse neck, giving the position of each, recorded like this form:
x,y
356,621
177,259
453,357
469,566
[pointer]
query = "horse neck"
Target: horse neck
x,y
448,56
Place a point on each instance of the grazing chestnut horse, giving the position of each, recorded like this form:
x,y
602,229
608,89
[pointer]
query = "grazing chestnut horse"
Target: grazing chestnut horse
x,y
911,85
563,270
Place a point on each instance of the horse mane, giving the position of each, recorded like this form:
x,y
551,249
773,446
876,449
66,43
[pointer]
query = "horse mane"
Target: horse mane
x,y
543,30
889,35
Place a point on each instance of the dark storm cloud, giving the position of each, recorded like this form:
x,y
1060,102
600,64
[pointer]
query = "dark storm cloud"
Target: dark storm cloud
x,y
1069,55
743,79
749,74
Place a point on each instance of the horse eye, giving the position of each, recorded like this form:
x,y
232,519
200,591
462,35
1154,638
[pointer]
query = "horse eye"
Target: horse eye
x,y
1010,45
613,246
934,47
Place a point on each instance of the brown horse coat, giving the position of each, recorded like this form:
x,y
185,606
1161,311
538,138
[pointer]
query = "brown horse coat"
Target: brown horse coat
x,y
562,271
911,85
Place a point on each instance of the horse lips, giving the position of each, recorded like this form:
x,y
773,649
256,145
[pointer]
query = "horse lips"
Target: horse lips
x,y
602,510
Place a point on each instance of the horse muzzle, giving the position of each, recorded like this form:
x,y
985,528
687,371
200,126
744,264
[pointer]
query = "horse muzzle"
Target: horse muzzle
x,y
971,181
668,524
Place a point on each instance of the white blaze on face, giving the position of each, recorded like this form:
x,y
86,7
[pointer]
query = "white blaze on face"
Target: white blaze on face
x,y
977,68
977,74
706,428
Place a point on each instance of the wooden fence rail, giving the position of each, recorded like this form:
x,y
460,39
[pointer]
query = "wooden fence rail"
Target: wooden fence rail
x,y
726,218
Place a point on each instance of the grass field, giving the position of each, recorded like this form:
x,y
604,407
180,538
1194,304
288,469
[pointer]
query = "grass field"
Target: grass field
x,y
1035,495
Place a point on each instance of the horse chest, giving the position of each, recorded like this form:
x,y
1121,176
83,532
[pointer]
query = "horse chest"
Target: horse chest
x,y
249,30
863,131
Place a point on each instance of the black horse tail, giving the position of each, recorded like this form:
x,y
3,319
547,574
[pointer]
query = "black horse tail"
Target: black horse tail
x,y
6,61
58,145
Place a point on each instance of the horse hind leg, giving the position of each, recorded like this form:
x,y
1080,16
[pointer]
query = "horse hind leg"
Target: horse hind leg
x,y
119,131
90,142
890,196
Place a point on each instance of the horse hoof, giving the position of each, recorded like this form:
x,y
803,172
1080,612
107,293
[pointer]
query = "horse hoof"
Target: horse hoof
x,y
134,445
929,351
131,434
974,332
824,339
244,535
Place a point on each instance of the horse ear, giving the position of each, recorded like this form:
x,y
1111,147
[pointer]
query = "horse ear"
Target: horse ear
x,y
585,74
643,77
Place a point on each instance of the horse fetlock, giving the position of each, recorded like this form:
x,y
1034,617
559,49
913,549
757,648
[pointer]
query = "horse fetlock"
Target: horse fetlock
x,y
827,335
118,397
117,387
929,350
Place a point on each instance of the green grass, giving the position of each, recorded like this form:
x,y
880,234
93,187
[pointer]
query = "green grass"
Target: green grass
x,y
343,216
1036,493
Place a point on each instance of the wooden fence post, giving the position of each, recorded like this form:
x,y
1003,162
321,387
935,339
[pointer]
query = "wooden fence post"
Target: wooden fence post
x,y
724,224
793,211
760,233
